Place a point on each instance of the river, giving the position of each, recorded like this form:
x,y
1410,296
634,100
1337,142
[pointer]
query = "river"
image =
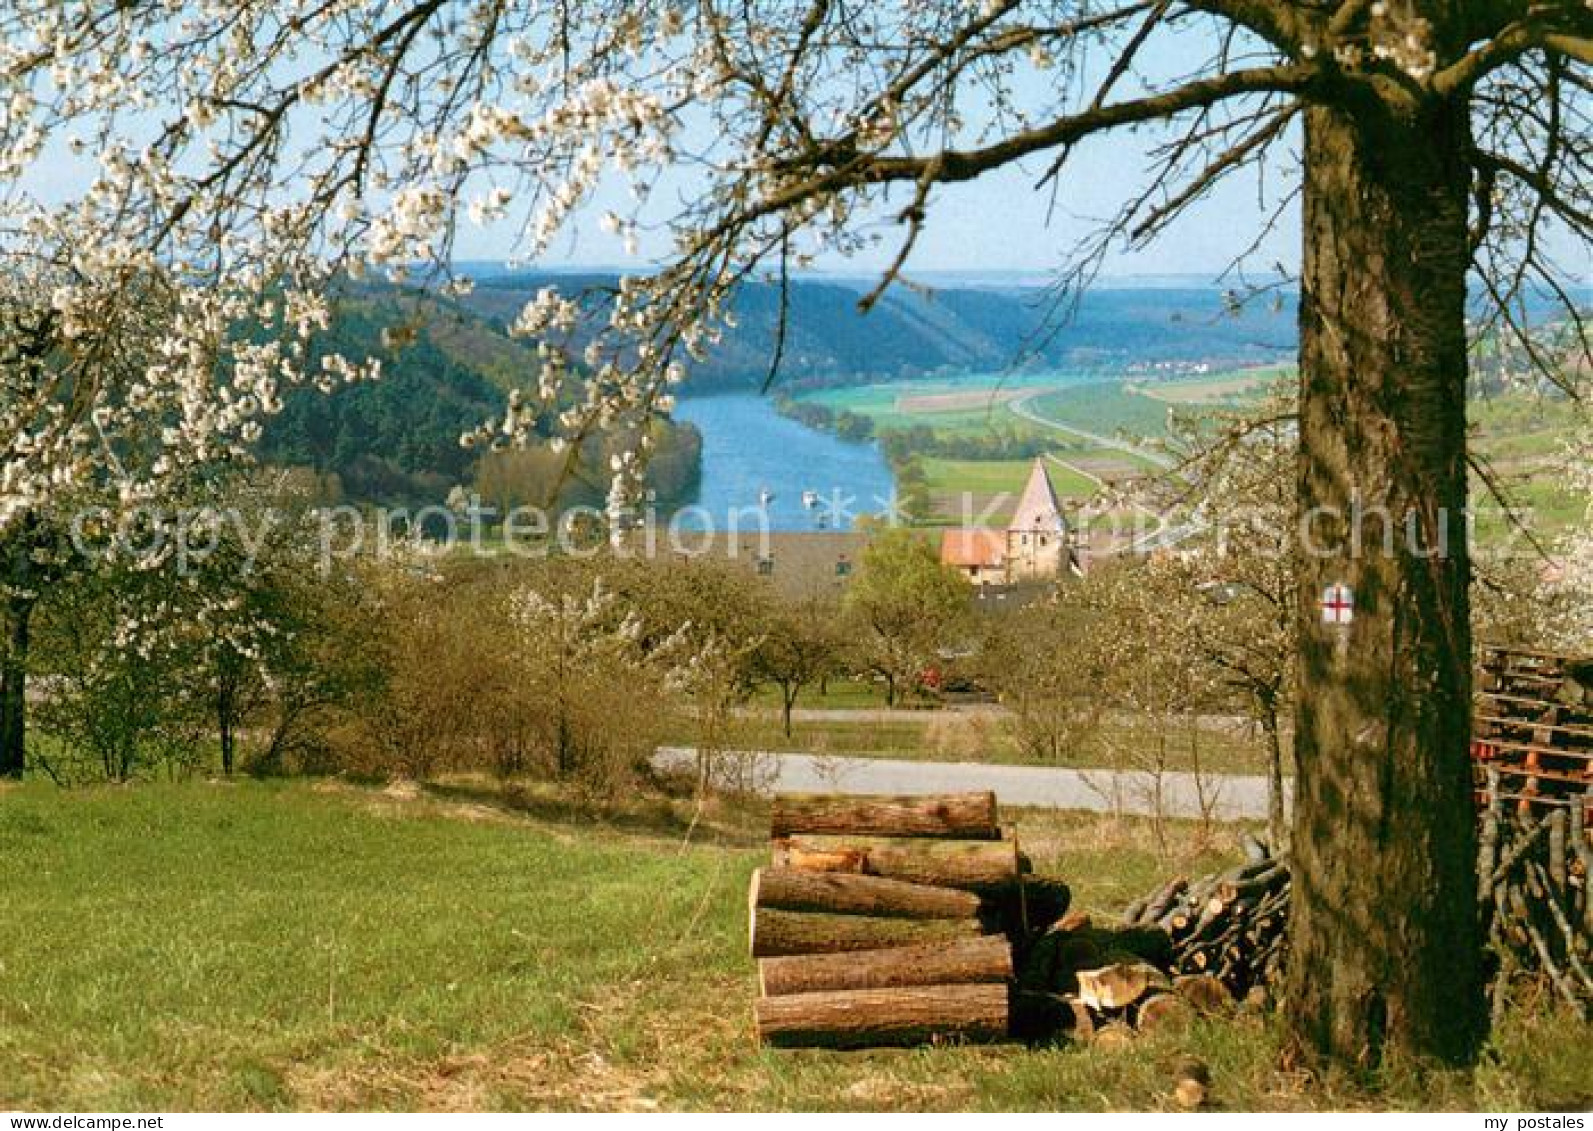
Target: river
x,y
750,451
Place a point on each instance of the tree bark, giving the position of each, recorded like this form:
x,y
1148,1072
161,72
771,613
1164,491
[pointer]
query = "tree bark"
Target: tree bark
x,y
989,865
969,961
871,1018
775,933
789,889
14,689
968,815
1277,815
1386,951
224,727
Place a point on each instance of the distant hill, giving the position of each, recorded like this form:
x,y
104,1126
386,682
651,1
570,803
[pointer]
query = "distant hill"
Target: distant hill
x,y
951,330
395,441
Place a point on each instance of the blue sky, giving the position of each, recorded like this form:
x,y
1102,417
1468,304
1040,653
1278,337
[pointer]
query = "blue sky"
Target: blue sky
x,y
1000,222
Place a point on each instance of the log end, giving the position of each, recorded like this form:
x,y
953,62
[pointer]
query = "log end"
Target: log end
x,y
753,889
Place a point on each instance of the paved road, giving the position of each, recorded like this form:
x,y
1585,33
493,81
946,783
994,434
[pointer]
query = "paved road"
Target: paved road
x,y
1223,724
1226,797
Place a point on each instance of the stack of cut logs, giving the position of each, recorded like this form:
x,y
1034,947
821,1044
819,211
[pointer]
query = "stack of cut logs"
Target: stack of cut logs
x,y
890,920
1534,727
1231,926
1534,870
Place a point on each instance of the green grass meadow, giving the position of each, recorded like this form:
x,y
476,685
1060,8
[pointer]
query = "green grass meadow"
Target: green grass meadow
x,y
1000,477
330,946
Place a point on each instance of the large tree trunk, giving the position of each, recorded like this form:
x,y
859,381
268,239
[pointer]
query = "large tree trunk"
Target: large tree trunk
x,y
14,689
1386,951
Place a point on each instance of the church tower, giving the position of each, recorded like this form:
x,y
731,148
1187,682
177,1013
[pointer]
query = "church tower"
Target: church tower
x,y
1037,536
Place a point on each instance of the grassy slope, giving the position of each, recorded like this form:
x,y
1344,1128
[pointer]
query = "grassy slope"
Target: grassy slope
x,y
1524,439
296,946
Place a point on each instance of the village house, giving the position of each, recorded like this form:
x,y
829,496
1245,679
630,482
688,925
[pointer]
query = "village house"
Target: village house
x,y
1034,546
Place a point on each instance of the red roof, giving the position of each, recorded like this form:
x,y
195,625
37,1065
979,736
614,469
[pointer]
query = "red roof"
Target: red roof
x,y
966,549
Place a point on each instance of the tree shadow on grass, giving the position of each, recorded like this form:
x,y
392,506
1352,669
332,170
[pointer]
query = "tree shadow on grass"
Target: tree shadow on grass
x,y
726,821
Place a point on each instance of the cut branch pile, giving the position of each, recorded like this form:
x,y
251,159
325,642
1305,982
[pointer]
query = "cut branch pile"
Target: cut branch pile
x,y
1098,983
1230,927
1534,869
891,921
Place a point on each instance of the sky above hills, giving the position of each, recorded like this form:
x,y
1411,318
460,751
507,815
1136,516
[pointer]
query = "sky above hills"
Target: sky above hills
x,y
1004,222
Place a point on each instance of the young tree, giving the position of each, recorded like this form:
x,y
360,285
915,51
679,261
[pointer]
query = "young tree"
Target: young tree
x,y
1244,562
579,659
1048,663
113,643
800,645
120,380
256,612
1431,136
905,605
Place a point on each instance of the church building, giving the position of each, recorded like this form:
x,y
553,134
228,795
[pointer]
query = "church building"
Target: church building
x,y
1034,546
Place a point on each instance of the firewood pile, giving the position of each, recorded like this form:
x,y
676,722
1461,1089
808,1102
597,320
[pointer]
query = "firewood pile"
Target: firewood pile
x,y
1534,727
1230,927
891,921
902,920
1534,868
1188,948
1104,983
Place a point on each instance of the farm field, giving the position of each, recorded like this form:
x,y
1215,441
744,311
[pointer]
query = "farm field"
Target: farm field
x,y
953,404
1001,477
1217,389
331,946
1522,437
960,489
1107,408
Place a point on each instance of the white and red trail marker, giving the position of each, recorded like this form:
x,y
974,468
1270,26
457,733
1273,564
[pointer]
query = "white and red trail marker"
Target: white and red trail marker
x,y
1338,604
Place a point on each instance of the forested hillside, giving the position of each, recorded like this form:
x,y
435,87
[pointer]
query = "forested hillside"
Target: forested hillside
x,y
395,441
